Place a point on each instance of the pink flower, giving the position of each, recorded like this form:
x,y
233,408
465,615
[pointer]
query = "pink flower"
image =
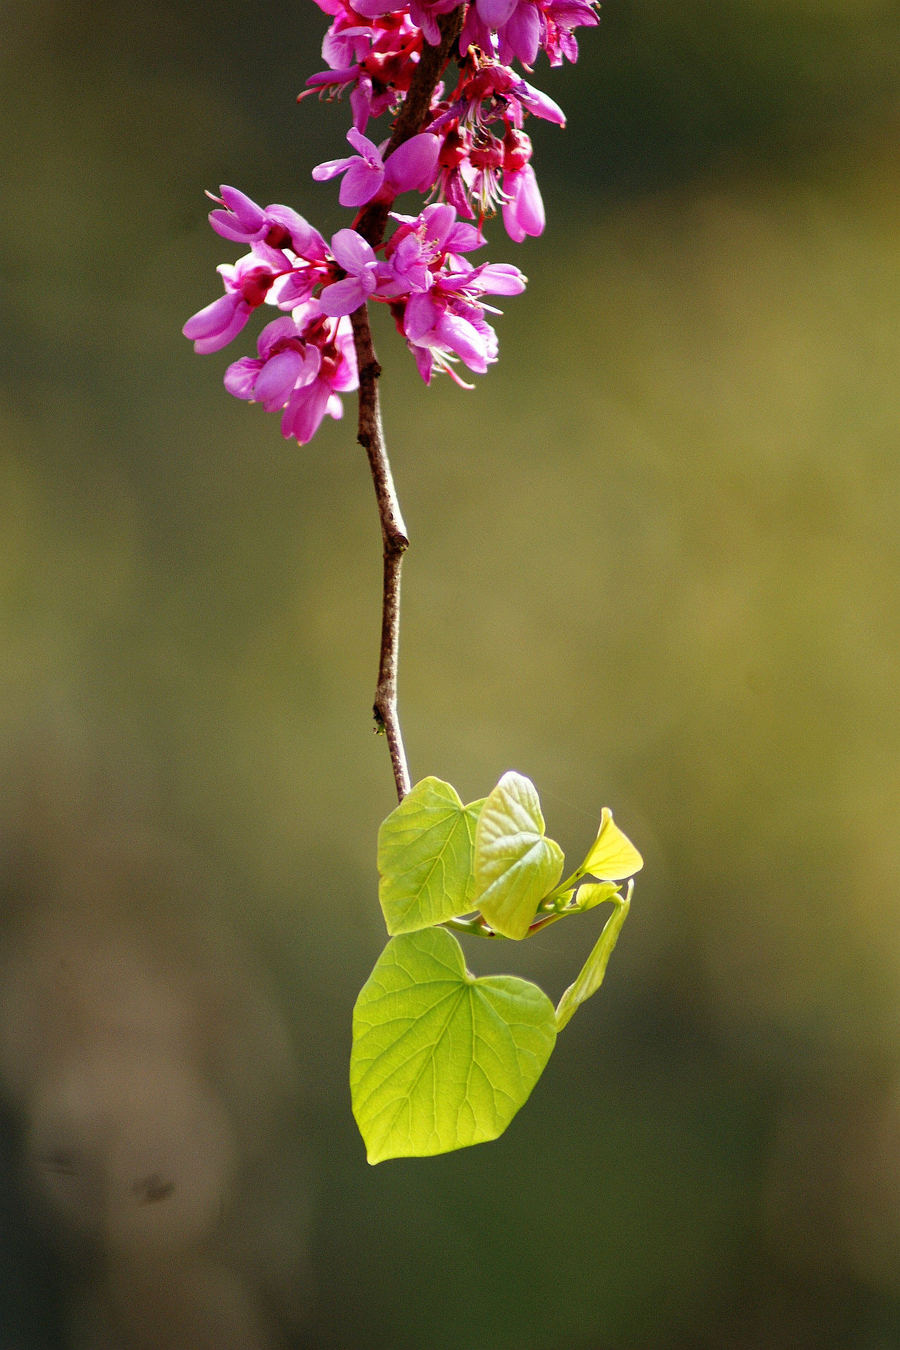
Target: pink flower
x,y
364,272
520,28
480,129
278,227
212,328
504,28
247,284
411,166
422,12
559,18
486,279
305,360
490,82
376,61
523,209
440,330
446,321
422,245
437,231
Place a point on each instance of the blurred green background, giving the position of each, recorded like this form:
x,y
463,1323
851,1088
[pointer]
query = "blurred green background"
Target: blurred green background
x,y
655,566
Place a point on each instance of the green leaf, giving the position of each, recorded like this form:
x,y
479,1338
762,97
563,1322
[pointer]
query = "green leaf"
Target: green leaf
x,y
585,895
515,865
426,858
590,977
613,856
440,1059
593,893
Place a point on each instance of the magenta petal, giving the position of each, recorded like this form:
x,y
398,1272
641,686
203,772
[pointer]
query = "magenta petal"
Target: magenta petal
x,y
276,331
420,316
361,103
424,362
304,413
523,32
290,291
463,238
463,338
351,251
439,221
530,203
371,9
305,241
408,253
211,319
345,377
228,226
214,327
500,279
495,12
361,183
334,407
364,147
514,229
331,168
523,209
413,164
572,13
277,378
240,377
409,270
251,216
203,346
346,296
423,18
541,105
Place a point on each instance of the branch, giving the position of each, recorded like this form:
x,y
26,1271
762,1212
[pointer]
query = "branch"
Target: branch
x,y
414,115
393,534
371,225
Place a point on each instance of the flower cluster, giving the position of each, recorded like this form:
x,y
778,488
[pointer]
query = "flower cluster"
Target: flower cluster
x,y
469,156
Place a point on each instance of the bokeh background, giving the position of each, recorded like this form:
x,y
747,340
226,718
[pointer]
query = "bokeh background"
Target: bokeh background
x,y
655,565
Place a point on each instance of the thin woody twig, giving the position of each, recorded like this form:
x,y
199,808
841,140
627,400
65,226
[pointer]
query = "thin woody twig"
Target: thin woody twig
x,y
414,115
371,225
395,540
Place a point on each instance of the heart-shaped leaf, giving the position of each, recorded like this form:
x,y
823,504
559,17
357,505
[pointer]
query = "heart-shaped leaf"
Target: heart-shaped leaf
x,y
516,866
590,977
426,858
440,1059
613,856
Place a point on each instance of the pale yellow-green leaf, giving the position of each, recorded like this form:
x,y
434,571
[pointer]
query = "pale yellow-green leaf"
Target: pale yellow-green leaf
x,y
590,977
613,856
440,1059
426,858
593,893
516,866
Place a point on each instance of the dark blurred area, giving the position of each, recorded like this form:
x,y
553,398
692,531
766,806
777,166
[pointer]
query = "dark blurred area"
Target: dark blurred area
x,y
655,566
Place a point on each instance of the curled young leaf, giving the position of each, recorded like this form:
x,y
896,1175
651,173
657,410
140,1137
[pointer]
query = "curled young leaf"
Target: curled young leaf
x,y
590,977
592,893
516,865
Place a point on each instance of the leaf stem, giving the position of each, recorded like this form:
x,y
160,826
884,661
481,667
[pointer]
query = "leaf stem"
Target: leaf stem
x,y
475,926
